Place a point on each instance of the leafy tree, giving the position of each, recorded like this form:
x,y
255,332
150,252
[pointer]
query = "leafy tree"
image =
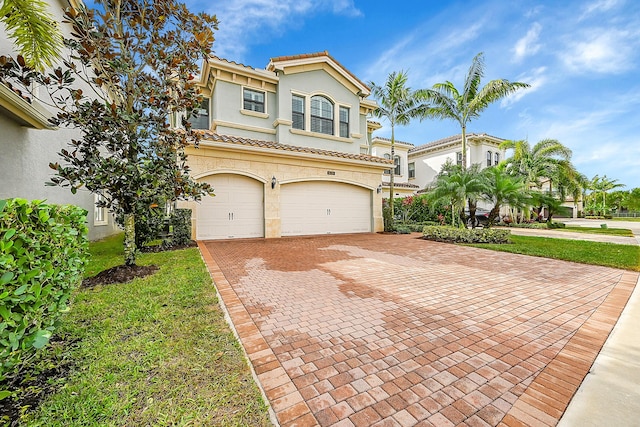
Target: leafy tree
x,y
33,30
632,200
503,189
449,103
132,65
398,104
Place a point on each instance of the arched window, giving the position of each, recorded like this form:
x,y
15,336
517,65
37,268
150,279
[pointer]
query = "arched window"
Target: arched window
x,y
489,158
321,115
497,159
388,157
396,162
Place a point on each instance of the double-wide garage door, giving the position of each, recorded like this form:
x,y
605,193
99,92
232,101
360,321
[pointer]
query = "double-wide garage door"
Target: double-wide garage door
x,y
311,207
323,207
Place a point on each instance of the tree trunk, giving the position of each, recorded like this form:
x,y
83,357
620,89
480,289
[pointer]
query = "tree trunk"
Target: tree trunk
x,y
129,239
393,172
464,147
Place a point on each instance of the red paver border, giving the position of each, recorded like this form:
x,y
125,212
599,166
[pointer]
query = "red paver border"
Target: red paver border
x,y
286,404
547,397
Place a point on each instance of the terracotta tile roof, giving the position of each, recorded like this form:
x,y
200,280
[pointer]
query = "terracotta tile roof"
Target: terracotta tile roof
x,y
17,90
389,140
401,185
449,139
318,55
211,136
239,64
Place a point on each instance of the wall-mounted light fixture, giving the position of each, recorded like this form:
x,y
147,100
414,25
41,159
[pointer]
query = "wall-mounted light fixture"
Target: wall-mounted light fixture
x,y
379,189
273,182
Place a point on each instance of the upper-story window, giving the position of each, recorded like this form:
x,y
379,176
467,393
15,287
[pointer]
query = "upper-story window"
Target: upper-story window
x,y
201,118
496,158
253,100
297,112
412,170
321,115
388,157
344,122
459,158
396,162
489,158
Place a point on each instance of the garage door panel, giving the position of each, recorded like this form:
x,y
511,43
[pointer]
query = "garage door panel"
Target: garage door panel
x,y
236,210
321,207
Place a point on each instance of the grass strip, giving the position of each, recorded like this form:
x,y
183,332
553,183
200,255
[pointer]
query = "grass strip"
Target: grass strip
x,y
155,351
626,257
624,232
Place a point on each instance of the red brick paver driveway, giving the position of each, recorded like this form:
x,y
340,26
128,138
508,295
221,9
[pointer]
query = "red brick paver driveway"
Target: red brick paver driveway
x,y
388,330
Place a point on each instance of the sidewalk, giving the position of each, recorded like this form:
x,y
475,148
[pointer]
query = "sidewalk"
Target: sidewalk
x,y
558,234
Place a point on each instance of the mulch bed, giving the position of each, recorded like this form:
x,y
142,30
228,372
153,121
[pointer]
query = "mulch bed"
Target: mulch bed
x,y
119,274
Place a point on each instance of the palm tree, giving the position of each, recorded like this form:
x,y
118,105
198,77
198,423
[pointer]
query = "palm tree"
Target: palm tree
x,y
602,185
503,189
457,186
398,104
33,30
449,103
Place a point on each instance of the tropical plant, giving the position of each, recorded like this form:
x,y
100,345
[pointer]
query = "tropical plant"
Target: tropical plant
x,y
456,186
449,103
632,200
503,189
138,59
398,104
600,187
33,30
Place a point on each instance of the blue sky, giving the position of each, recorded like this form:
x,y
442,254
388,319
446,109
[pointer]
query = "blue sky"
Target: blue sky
x,y
582,59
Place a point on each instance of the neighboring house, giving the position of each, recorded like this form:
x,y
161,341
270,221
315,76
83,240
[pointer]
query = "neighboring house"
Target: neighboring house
x,y
403,173
28,144
426,160
286,151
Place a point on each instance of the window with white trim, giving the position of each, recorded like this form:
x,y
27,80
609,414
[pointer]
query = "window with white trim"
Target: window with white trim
x,y
412,170
200,119
459,158
396,162
253,100
321,115
344,122
489,158
99,213
388,157
297,111
496,158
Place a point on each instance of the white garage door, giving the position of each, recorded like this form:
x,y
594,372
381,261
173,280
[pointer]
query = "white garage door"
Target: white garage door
x,y
236,210
321,207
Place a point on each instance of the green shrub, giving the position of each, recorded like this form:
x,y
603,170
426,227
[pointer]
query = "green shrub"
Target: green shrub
x,y
464,235
403,229
180,221
149,225
537,225
556,225
43,252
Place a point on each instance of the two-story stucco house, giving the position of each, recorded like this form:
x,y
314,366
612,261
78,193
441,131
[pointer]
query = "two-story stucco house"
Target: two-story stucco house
x,y
28,144
404,174
285,149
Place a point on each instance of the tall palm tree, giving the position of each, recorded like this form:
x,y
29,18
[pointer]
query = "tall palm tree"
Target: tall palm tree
x,y
33,30
602,185
449,103
398,104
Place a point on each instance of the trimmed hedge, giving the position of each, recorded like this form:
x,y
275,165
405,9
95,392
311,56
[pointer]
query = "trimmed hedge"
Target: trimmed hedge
x,y
464,235
43,253
180,221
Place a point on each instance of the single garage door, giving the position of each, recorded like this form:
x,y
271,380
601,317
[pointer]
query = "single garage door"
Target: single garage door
x,y
323,207
236,210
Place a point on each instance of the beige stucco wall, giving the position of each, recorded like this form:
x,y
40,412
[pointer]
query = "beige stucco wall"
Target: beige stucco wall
x,y
286,167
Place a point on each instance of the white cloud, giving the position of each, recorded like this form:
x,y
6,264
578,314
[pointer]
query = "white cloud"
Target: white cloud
x,y
528,45
536,78
243,22
608,51
598,6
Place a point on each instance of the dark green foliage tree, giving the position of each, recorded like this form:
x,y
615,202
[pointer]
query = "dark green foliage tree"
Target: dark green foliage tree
x,y
132,65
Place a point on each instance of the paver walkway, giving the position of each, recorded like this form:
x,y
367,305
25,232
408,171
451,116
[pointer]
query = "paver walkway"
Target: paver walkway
x,y
389,330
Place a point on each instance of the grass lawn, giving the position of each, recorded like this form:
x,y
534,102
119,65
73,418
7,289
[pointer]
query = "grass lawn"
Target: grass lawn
x,y
632,219
606,254
598,230
155,351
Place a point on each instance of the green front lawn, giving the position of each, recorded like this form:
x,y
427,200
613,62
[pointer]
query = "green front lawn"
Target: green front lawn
x,y
155,351
606,254
598,230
